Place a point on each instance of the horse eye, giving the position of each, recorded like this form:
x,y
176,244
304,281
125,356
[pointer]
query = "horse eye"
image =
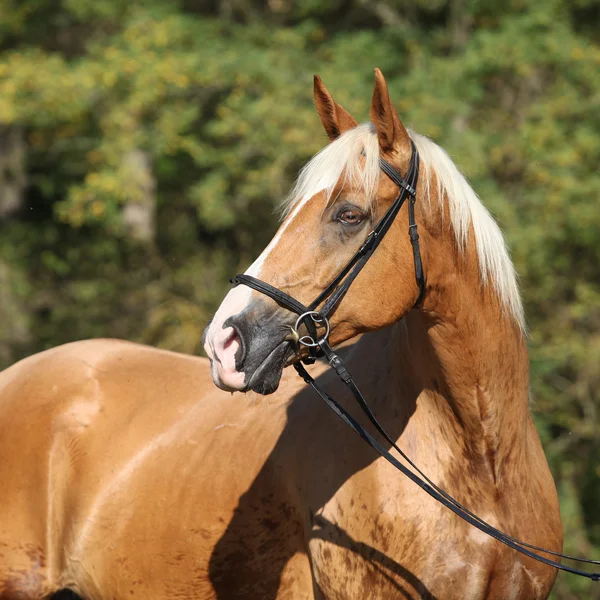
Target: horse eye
x,y
350,216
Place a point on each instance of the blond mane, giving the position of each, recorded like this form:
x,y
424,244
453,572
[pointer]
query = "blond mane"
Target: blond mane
x,y
343,158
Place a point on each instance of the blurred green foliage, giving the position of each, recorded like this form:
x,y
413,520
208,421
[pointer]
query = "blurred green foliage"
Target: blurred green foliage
x,y
144,145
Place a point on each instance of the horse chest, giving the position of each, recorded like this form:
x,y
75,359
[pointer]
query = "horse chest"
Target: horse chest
x,y
364,546
359,550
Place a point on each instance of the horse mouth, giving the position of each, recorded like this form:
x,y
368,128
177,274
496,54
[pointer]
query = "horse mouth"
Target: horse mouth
x,y
266,377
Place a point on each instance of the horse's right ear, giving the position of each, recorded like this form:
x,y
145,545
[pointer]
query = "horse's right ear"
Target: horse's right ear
x,y
335,118
391,133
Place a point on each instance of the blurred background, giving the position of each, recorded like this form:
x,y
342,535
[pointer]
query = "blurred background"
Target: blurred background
x,y
144,147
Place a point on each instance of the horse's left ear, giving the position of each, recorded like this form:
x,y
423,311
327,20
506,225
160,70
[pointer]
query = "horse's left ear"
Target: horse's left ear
x,y
335,118
391,132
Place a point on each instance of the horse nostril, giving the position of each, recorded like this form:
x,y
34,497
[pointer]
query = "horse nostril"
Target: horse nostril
x,y
235,337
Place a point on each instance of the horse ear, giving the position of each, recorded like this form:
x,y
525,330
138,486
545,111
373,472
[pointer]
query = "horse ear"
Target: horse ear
x,y
391,133
335,118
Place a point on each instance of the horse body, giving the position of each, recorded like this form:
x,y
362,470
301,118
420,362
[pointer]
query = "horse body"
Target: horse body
x,y
126,474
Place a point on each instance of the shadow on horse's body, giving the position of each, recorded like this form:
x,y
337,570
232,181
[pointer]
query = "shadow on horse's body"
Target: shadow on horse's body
x,y
316,459
118,519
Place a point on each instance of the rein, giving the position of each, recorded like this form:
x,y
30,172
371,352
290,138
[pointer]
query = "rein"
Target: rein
x,y
313,319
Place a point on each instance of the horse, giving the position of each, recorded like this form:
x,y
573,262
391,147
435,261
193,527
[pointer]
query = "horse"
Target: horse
x,y
126,473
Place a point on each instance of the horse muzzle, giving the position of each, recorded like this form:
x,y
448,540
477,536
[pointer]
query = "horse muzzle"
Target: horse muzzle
x,y
248,350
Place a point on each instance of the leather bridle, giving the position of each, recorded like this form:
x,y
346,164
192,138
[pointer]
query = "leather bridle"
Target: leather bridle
x,y
331,296
314,318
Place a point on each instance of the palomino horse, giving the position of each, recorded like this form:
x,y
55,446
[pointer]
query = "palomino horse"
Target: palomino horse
x,y
126,474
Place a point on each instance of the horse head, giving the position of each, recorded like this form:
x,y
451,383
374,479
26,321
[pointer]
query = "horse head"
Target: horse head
x,y
338,199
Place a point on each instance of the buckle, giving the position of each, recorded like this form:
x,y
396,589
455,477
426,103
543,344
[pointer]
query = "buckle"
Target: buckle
x,y
367,243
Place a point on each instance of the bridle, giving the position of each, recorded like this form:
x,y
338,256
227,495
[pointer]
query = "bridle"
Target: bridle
x,y
314,318
331,296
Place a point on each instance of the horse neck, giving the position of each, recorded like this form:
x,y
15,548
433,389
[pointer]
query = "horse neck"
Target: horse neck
x,y
466,362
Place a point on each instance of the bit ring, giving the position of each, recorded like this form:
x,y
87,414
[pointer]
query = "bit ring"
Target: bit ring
x,y
318,319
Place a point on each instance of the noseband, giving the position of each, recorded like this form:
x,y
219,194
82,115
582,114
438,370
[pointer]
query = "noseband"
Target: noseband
x,y
313,318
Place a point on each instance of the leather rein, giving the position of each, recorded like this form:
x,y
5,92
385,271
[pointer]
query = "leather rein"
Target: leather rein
x,y
314,319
